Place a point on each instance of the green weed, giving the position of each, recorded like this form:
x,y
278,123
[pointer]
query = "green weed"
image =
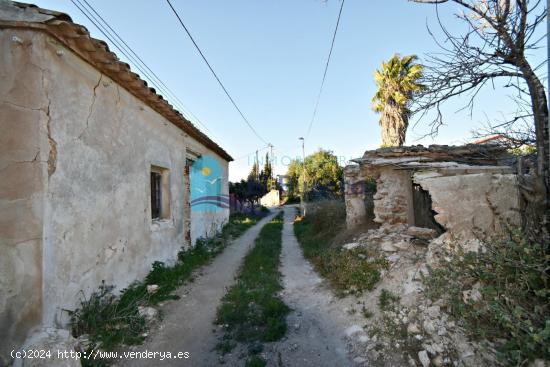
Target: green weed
x,y
366,313
255,361
387,300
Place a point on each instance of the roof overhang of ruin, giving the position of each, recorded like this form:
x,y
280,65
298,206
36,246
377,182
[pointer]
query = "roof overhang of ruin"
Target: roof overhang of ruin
x,y
96,53
418,157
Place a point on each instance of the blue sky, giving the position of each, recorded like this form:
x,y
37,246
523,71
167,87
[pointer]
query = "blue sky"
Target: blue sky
x,y
270,54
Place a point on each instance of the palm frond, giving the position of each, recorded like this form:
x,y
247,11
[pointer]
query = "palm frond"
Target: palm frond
x,y
398,83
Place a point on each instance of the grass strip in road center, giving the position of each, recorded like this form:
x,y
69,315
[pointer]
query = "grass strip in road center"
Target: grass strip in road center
x,y
251,312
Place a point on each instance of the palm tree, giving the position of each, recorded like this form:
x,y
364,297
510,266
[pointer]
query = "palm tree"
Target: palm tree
x,y
397,83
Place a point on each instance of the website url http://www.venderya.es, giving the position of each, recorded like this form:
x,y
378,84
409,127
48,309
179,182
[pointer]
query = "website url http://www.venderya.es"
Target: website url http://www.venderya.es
x,y
97,355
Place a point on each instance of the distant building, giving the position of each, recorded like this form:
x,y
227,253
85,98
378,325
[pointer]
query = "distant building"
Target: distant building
x,y
284,181
100,175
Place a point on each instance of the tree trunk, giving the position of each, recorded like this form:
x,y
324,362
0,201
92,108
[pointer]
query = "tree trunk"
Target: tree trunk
x,y
393,124
540,115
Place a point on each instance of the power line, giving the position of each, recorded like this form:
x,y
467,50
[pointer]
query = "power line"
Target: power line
x,y
115,41
253,152
214,73
172,94
128,47
326,69
113,38
135,59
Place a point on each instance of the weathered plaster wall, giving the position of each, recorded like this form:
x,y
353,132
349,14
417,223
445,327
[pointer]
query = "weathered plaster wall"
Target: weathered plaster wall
x,y
84,191
393,198
100,226
24,153
471,205
271,199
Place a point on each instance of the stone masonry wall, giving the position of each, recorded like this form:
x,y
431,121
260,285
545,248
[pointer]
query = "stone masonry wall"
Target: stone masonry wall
x,y
354,196
393,198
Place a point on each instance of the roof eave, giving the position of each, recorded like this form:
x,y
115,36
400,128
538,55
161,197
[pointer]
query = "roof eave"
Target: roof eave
x,y
74,36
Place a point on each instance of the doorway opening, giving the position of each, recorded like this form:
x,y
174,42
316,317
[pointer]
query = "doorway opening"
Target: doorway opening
x,y
424,216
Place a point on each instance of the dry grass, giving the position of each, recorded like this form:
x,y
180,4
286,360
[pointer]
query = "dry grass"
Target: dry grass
x,y
321,235
328,217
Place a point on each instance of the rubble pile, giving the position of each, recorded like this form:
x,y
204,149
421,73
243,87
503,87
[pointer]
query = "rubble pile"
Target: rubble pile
x,y
421,330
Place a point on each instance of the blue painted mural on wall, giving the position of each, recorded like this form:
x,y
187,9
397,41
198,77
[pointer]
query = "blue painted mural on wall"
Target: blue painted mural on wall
x,y
206,186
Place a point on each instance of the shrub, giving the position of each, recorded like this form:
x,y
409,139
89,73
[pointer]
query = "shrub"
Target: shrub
x,y
348,270
512,307
327,217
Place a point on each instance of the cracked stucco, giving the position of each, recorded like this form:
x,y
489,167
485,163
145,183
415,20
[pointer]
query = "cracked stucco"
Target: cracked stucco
x,y
91,110
78,155
52,155
474,206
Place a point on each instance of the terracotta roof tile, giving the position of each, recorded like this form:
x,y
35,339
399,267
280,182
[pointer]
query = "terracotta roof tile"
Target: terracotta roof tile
x,y
96,52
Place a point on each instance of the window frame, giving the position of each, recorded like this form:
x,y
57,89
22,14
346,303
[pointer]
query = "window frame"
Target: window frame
x,y
159,193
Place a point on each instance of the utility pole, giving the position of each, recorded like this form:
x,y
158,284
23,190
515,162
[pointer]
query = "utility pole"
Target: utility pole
x,y
304,188
257,164
271,165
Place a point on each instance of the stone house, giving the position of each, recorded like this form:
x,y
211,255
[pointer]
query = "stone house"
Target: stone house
x,y
100,176
465,191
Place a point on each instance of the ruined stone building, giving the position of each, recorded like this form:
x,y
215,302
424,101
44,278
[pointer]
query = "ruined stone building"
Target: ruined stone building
x,y
465,191
100,176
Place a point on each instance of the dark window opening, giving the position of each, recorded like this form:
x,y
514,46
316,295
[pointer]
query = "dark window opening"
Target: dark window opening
x,y
423,213
156,194
370,190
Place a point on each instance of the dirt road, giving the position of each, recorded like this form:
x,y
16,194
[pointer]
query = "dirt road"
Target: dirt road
x,y
188,322
320,329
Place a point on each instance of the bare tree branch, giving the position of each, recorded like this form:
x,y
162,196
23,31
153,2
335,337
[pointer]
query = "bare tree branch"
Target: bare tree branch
x,y
495,46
